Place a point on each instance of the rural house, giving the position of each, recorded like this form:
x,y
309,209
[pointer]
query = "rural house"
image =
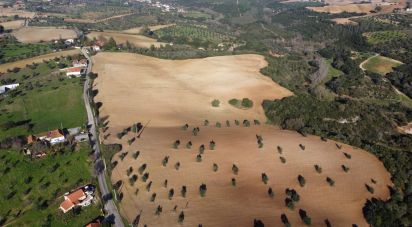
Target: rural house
x,y
80,63
80,197
5,88
74,71
53,137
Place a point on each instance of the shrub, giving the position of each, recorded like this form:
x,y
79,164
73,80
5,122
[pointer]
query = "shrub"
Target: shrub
x,y
303,215
218,125
256,122
235,169
171,193
233,182
212,145
133,179
123,155
345,168
282,159
202,190
165,161
183,191
301,180
247,103
148,186
246,123
145,177
302,147
215,167
215,103
265,178
206,123
270,192
280,150
195,131
285,220
202,149
185,127
131,141
237,122
136,191
165,183
234,102
189,145
227,123
348,156
129,171
177,165
369,188
181,217
330,181
176,144
159,210
289,203
338,146
327,223
318,169
142,168
153,197
199,158
136,154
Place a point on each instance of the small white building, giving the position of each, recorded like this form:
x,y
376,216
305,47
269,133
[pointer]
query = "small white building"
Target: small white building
x,y
7,87
69,41
53,137
96,48
80,63
75,72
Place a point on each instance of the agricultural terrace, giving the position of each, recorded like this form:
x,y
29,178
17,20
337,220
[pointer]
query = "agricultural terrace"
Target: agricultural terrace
x,y
380,64
384,36
123,38
182,34
33,189
45,100
39,34
200,160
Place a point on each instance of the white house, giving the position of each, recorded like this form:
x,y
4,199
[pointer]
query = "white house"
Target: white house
x,y
69,41
80,63
5,88
96,48
53,137
74,71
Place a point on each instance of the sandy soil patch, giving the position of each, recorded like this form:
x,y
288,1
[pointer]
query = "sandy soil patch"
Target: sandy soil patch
x,y
352,8
167,94
37,34
9,12
122,38
344,21
24,62
15,24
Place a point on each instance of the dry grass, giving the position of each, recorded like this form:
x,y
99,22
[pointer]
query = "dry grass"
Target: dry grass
x,y
38,34
122,38
344,21
138,30
10,12
168,94
380,64
15,24
23,63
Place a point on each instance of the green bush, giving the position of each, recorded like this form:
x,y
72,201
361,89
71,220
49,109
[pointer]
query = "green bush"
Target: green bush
x,y
215,103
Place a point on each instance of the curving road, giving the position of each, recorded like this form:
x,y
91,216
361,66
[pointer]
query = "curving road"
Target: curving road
x,y
109,206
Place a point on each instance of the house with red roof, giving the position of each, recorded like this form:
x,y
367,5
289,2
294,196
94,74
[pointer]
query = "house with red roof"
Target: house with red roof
x,y
54,136
79,197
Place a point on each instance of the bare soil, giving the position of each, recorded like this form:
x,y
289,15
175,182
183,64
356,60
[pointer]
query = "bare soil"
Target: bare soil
x,y
166,94
15,24
38,34
122,38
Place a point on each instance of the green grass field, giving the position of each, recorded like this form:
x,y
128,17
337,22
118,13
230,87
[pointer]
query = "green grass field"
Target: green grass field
x,y
48,100
380,64
15,51
48,179
384,36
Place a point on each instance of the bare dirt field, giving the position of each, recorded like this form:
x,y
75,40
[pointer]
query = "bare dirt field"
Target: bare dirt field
x,y
91,20
15,24
10,12
38,34
166,94
344,21
355,8
24,62
122,38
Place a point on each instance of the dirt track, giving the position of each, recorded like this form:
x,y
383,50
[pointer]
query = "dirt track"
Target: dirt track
x,y
135,88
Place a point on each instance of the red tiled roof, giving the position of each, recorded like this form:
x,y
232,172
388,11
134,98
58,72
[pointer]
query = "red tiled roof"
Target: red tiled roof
x,y
75,196
94,224
74,69
66,205
54,134
31,139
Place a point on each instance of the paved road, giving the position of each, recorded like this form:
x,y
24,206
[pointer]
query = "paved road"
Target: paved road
x,y
110,207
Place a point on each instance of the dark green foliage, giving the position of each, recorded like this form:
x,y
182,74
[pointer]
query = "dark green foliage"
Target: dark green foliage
x,y
305,218
181,217
369,188
183,191
189,145
280,150
227,123
256,122
159,210
212,145
148,186
247,103
145,177
129,171
302,147
246,123
330,181
199,158
136,154
218,125
318,169
301,180
206,123
171,193
165,161
235,169
233,182
215,167
202,149
285,220
177,165
202,190
345,168
282,159
123,155
237,122
176,144
270,192
153,197
165,183
133,179
142,168
185,127
265,178
348,156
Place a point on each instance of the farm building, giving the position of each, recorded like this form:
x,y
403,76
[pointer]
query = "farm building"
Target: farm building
x,y
80,197
54,137
5,88
74,71
80,63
